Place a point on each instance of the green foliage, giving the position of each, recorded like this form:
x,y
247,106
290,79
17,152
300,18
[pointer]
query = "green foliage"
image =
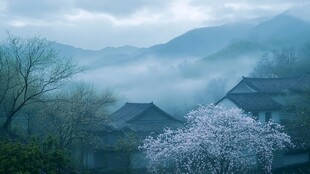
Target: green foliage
x,y
128,143
72,113
20,158
299,128
54,158
31,71
32,158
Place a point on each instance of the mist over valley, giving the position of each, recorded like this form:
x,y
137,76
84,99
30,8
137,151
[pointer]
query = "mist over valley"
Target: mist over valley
x,y
176,74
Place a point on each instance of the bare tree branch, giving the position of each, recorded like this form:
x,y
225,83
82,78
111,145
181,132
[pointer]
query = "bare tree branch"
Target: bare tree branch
x,y
34,69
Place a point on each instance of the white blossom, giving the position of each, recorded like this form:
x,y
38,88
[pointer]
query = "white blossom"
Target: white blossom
x,y
218,140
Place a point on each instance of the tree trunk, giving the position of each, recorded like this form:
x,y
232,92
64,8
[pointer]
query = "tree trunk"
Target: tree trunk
x,y
7,124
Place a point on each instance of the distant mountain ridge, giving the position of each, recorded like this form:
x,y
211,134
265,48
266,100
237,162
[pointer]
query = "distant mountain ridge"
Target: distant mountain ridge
x,y
97,58
202,41
180,69
281,31
284,30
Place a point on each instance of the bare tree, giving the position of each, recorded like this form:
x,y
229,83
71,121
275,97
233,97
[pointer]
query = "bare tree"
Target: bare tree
x,y
280,63
73,116
30,68
215,90
74,113
305,59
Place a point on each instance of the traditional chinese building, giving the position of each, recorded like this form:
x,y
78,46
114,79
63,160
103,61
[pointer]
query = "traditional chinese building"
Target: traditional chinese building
x,y
267,99
118,140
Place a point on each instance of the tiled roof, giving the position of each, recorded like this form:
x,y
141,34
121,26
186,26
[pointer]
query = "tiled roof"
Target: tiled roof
x,y
119,118
271,85
260,97
254,101
122,129
130,111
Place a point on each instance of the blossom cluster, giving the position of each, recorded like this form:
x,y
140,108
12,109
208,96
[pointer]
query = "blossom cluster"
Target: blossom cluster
x,y
218,140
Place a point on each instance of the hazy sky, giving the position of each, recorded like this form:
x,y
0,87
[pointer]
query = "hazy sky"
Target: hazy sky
x,y
94,24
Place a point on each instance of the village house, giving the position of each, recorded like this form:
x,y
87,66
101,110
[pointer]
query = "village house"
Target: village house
x,y
117,150
265,99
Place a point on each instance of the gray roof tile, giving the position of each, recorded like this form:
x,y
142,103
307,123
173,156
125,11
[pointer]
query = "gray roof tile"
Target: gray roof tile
x,y
130,111
271,85
254,101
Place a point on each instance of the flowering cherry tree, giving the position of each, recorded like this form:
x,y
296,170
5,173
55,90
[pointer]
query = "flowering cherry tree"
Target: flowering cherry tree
x,y
215,139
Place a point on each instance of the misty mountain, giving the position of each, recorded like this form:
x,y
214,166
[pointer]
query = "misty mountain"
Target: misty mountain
x,y
281,31
202,41
175,74
285,30
237,49
194,43
301,12
97,58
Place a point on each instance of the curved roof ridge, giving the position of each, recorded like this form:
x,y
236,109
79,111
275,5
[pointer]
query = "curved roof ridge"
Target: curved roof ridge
x,y
271,78
250,84
138,103
249,93
131,111
272,85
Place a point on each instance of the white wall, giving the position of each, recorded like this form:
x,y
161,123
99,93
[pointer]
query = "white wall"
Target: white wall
x,y
275,116
228,103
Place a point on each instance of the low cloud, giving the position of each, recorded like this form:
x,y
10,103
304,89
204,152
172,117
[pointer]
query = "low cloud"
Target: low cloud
x,y
164,81
116,22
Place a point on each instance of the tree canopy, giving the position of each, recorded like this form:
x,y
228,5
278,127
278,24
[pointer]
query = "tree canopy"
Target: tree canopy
x,y
277,63
75,112
215,139
29,69
35,94
33,158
